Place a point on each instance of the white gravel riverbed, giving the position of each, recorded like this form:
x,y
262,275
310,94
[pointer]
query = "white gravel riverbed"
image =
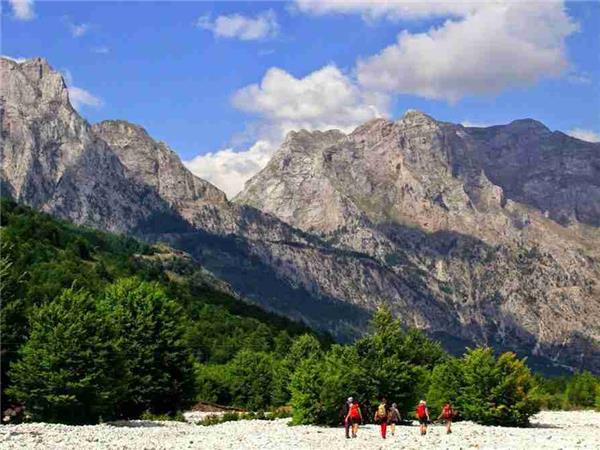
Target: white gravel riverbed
x,y
550,430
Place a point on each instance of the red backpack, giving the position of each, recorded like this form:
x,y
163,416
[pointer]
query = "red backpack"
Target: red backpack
x,y
421,413
354,411
447,412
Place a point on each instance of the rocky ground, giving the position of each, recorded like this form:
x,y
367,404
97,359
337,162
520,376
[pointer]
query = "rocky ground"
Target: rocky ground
x,y
550,430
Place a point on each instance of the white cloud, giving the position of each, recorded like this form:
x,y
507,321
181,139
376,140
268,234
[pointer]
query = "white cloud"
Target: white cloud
x,y
245,28
388,9
78,30
584,135
229,169
325,98
468,123
80,97
17,60
498,46
22,9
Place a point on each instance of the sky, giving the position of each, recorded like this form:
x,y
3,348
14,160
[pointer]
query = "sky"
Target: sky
x,y
223,82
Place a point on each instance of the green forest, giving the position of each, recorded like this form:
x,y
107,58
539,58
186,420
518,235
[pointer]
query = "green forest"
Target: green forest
x,y
97,326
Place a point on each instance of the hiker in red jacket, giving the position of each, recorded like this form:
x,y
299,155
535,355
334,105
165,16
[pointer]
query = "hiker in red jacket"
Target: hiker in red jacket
x,y
447,414
423,416
354,416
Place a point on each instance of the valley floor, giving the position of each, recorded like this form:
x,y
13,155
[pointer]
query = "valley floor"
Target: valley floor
x,y
550,430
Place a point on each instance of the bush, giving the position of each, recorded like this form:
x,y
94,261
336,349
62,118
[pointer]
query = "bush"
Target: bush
x,y
158,369
581,391
177,417
69,369
251,379
213,383
398,362
496,392
445,385
390,362
303,347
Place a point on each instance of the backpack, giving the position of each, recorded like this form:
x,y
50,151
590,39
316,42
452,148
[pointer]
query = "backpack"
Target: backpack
x,y
421,414
354,411
381,411
447,412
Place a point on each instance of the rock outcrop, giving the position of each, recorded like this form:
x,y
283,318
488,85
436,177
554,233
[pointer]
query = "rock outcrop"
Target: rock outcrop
x,y
477,235
488,231
52,160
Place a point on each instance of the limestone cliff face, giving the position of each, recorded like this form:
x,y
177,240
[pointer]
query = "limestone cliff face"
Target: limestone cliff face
x,y
477,235
154,164
52,160
483,252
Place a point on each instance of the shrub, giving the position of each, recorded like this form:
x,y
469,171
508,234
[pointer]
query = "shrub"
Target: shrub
x,y
497,392
177,417
157,368
251,375
445,385
581,391
213,383
69,369
303,347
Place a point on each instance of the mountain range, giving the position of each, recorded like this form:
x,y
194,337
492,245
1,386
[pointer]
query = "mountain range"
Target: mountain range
x,y
476,235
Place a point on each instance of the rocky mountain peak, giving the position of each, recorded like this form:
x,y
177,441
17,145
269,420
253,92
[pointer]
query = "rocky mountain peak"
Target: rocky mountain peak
x,y
413,117
154,164
528,126
304,139
33,80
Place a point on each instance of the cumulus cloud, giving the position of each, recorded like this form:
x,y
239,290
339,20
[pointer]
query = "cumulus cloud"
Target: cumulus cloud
x,y
325,98
584,134
245,28
229,169
498,46
22,9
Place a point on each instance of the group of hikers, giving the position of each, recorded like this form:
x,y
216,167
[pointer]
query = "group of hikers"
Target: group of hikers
x,y
387,414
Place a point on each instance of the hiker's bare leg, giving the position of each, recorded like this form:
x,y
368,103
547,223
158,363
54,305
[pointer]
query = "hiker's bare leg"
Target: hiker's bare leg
x,y
393,426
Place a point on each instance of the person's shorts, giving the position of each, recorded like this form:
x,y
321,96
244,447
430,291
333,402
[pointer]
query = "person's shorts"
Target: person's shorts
x,y
423,421
353,420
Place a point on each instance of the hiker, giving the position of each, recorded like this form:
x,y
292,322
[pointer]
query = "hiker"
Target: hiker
x,y
381,416
354,416
423,416
344,416
447,414
393,417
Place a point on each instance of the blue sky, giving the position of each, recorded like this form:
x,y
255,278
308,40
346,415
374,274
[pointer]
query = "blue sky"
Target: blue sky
x,y
222,82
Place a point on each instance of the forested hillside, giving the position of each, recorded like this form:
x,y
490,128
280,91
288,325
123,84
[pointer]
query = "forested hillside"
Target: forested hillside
x,y
54,273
